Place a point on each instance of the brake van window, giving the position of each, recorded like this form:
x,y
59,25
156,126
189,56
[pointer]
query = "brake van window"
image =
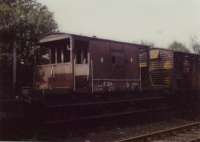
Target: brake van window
x,y
43,56
66,54
81,56
63,55
53,55
59,54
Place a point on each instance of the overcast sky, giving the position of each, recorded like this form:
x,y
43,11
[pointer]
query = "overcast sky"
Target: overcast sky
x,y
157,21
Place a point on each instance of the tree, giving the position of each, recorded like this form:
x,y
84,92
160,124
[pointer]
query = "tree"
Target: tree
x,y
22,22
195,44
178,46
196,48
150,44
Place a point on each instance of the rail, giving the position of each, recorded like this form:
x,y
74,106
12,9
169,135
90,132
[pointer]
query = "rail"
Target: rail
x,y
107,115
105,102
161,132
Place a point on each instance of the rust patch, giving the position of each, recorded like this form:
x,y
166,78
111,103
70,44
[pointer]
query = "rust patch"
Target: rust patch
x,y
61,80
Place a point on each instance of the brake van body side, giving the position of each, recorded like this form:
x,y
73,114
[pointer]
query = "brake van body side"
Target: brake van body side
x,y
81,64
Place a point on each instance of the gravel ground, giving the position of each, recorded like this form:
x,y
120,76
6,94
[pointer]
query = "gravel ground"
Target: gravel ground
x,y
102,134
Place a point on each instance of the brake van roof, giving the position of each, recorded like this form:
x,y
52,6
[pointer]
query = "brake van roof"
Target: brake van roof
x,y
62,36
53,37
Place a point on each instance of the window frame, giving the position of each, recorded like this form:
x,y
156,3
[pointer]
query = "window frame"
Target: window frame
x,y
68,48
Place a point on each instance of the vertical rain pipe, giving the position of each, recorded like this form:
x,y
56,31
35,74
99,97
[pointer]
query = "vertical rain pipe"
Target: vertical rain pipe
x,y
92,76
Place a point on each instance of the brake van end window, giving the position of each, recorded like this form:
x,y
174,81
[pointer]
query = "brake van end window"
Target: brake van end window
x,y
43,56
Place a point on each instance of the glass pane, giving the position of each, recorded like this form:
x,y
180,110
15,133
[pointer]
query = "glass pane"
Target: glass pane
x,y
78,57
59,55
53,55
43,56
66,54
85,59
81,56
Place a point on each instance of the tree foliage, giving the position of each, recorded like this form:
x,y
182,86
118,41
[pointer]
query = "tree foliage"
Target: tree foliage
x,y
178,46
195,44
22,22
196,48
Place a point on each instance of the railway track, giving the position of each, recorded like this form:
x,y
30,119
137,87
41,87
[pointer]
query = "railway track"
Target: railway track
x,y
109,115
184,133
106,102
104,109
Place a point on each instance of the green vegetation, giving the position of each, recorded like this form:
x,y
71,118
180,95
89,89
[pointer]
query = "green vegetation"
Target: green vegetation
x,y
196,48
22,22
195,44
178,46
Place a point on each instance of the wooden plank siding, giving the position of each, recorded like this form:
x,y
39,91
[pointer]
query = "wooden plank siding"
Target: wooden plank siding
x,y
187,71
161,68
115,65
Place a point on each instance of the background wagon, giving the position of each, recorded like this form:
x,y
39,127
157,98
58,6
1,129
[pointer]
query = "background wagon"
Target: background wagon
x,y
171,70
